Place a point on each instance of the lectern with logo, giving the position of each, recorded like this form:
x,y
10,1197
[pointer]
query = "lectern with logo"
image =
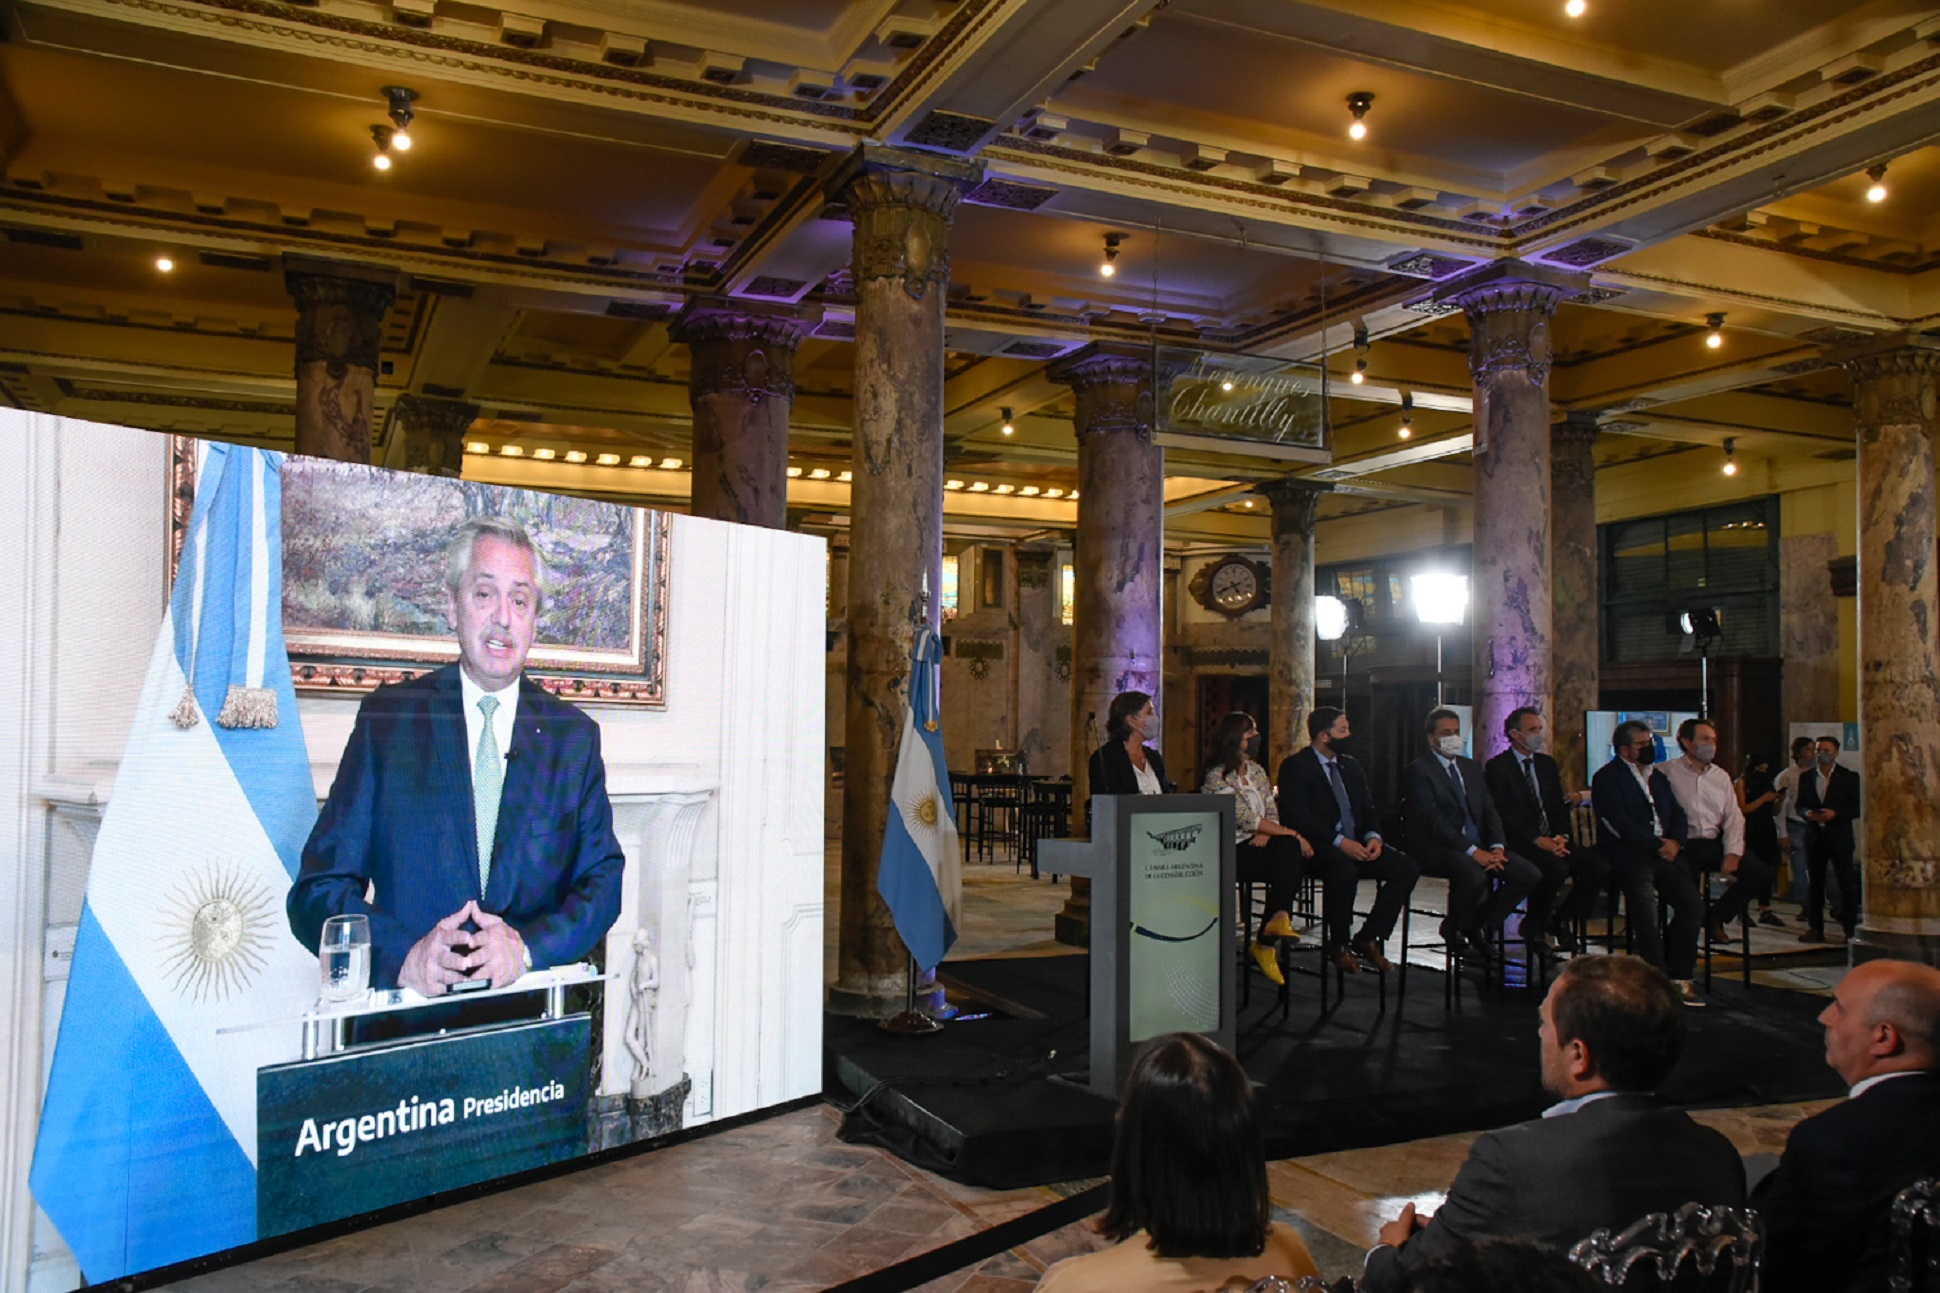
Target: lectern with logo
x,y
1162,922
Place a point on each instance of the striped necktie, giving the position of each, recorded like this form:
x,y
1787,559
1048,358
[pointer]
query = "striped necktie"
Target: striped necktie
x,y
488,783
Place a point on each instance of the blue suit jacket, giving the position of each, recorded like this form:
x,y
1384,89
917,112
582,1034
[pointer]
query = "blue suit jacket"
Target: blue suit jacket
x,y
1625,813
399,824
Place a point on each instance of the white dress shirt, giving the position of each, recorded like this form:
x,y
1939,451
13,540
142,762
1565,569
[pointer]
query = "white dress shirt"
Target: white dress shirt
x,y
1788,783
1643,779
1148,780
503,718
1562,1107
1864,1085
1710,803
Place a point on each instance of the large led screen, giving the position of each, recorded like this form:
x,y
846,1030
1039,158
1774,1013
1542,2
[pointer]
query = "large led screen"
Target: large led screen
x,y
384,835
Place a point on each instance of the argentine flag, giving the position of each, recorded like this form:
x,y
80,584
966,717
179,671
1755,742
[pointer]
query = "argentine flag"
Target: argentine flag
x,y
147,1147
920,876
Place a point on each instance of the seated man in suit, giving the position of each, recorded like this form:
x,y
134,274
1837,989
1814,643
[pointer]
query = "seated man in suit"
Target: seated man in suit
x,y
1527,787
1605,1155
1643,832
1324,796
1828,800
1827,1206
1455,833
470,804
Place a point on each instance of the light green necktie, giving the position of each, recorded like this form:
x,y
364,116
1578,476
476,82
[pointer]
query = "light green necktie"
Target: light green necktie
x,y
488,782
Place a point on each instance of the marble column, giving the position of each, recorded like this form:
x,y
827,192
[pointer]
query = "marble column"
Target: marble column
x,y
1290,665
1510,306
1894,383
339,328
741,383
1576,637
1038,693
901,203
1118,565
429,438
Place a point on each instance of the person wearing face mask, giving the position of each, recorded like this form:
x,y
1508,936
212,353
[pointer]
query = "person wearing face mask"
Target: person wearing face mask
x,y
1528,790
1716,839
1759,799
1456,833
1125,764
1643,833
1264,850
1828,801
1324,796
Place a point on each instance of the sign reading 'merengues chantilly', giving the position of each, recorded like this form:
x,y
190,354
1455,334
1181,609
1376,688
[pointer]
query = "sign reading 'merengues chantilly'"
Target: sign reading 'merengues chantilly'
x,y
1247,397
367,1129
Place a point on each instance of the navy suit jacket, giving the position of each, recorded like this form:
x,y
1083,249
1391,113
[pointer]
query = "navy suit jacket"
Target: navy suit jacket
x,y
1625,813
1434,814
399,824
1842,797
1828,1204
1522,817
1307,801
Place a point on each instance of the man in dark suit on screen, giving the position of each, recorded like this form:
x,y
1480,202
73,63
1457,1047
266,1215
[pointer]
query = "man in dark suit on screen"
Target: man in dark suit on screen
x,y
1527,787
470,804
1828,800
1454,833
1324,796
1828,1205
1605,1155
1643,833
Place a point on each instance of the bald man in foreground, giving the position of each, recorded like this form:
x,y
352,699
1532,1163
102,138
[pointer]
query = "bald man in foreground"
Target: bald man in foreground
x,y
1827,1206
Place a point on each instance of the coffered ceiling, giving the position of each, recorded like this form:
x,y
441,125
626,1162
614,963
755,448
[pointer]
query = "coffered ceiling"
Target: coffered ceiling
x,y
581,167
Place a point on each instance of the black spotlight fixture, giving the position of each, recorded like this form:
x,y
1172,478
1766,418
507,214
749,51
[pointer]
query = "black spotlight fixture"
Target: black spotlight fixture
x,y
402,115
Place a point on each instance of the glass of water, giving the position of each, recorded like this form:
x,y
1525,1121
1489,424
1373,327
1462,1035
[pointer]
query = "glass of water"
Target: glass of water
x,y
344,958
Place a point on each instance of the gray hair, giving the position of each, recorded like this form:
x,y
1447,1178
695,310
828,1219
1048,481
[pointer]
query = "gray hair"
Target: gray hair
x,y
1910,1001
463,548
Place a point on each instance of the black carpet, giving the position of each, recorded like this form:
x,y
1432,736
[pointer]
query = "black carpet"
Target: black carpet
x,y
981,1101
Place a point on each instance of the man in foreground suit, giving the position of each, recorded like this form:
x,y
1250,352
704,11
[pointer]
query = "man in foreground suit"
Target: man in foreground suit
x,y
1454,832
1828,800
1827,1206
1643,833
1527,787
1606,1154
472,761
1323,795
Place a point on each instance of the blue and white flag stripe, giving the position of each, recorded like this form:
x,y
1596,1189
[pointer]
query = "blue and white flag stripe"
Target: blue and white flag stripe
x,y
146,1153
920,876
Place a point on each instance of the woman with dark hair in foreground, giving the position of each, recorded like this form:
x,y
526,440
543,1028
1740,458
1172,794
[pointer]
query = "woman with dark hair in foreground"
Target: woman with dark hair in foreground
x,y
1189,1205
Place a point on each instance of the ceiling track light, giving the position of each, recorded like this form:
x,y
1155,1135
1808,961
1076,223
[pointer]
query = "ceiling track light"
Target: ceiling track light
x,y
1359,374
1714,339
1730,456
1010,423
1106,269
382,136
402,114
1363,344
1407,415
1358,103
1877,174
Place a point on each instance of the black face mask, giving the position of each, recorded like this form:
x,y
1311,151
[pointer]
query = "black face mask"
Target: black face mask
x,y
1647,755
1340,745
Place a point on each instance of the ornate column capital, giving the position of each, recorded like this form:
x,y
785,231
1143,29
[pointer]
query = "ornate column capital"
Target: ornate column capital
x,y
744,348
901,202
339,312
1295,501
1894,378
1113,385
1509,306
434,433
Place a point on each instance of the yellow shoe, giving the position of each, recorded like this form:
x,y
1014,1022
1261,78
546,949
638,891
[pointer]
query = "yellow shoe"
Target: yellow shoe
x,y
1269,963
1281,926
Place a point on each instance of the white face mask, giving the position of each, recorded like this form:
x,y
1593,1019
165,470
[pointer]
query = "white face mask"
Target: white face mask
x,y
1450,746
1535,742
1704,751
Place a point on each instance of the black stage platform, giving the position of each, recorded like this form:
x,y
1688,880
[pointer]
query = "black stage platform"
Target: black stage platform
x,y
980,1102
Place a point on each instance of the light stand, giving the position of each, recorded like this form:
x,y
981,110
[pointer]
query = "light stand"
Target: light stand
x,y
1702,627
1440,599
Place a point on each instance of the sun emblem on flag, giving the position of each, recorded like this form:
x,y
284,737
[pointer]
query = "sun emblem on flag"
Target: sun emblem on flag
x,y
216,927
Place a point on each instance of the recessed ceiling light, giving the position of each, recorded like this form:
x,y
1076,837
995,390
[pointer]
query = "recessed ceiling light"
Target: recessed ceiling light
x,y
512,451
608,460
477,446
164,264
1054,492
574,455
670,464
820,473
953,484
1029,491
845,476
542,453
1005,489
793,472
979,487
639,460
1576,8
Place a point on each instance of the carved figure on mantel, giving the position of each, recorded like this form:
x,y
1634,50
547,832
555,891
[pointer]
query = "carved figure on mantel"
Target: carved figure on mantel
x,y
643,994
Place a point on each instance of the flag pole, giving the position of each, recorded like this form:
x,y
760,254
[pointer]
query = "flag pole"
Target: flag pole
x,y
909,1021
